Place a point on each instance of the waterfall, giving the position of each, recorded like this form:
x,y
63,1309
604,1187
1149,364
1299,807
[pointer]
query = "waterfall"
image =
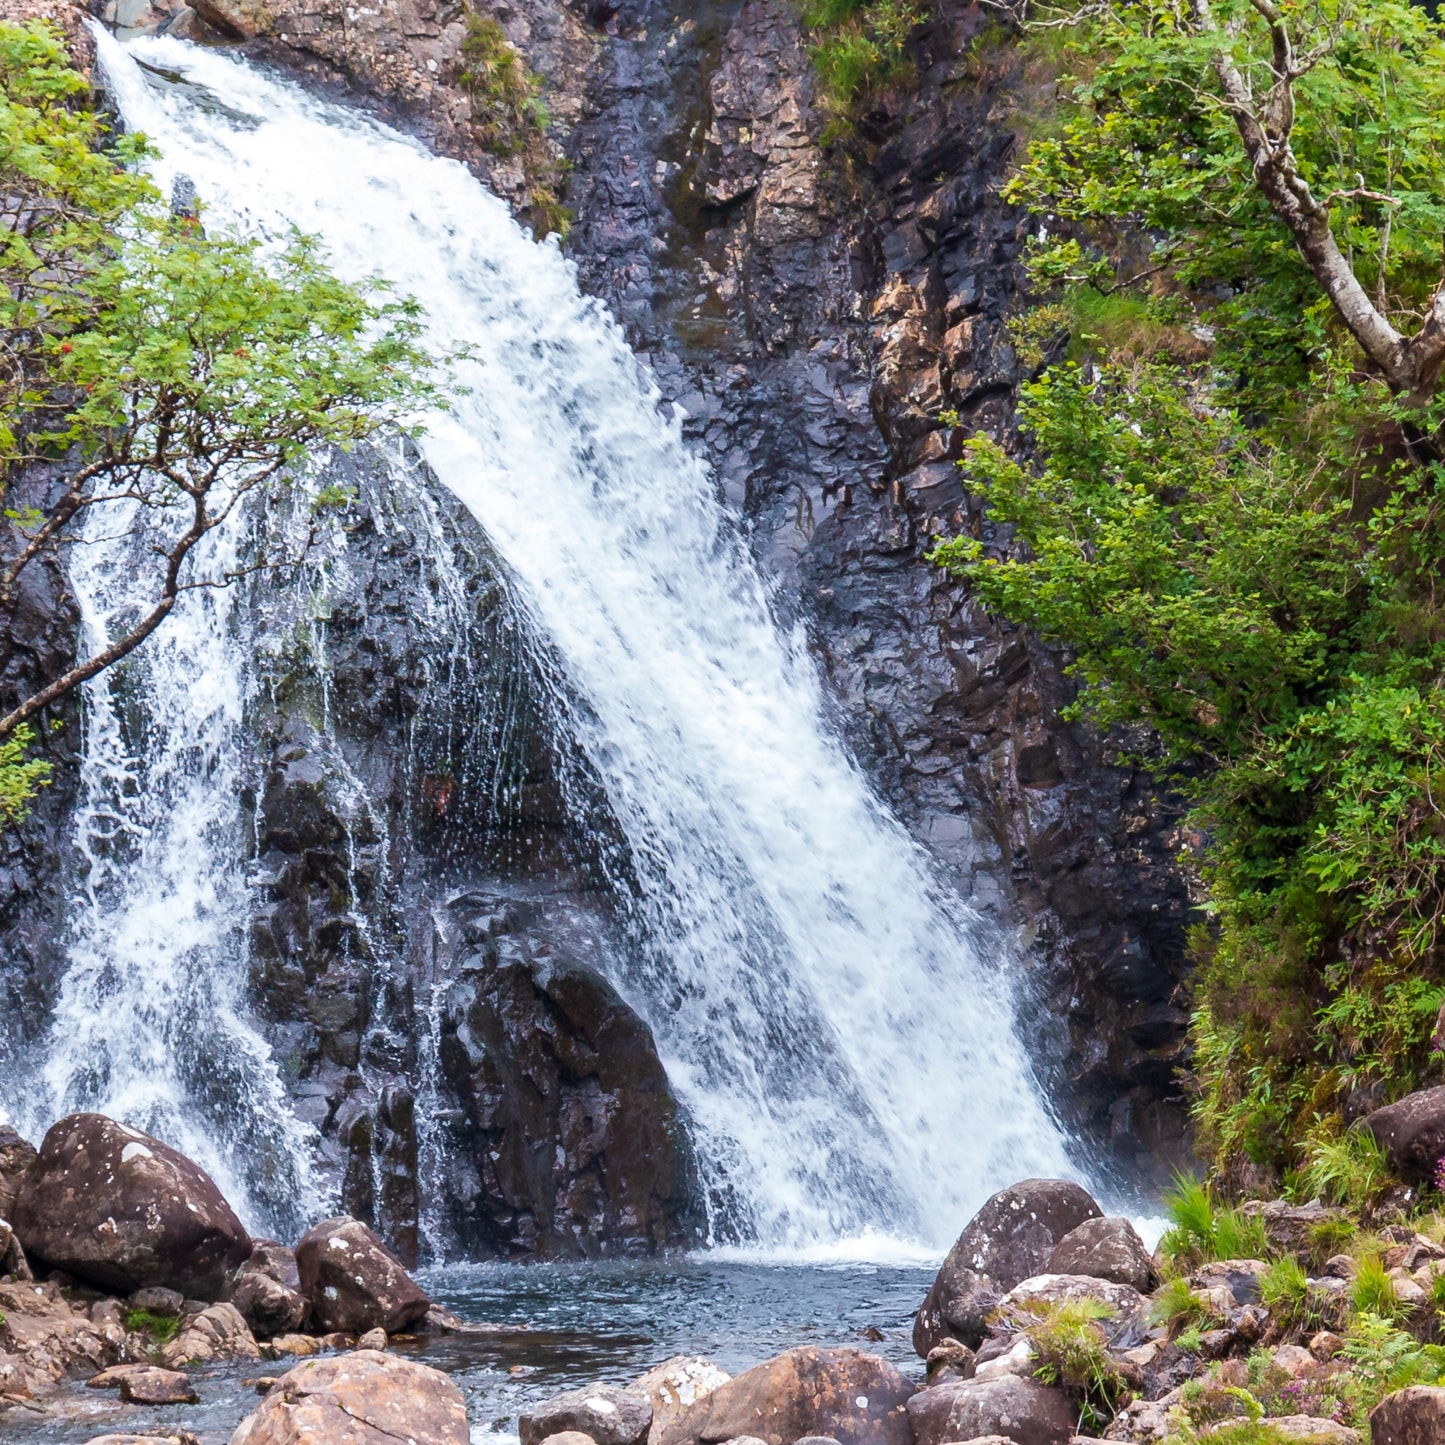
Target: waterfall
x,y
838,1026
150,1024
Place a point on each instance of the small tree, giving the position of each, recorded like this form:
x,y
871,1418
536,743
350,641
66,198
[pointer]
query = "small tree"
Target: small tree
x,y
172,372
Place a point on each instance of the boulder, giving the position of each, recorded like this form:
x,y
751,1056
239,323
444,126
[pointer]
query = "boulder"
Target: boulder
x,y
1288,1227
1415,1416
569,1437
951,1360
267,1290
855,1397
363,1398
152,1386
1012,1237
215,1333
1411,1131
1107,1248
12,1256
116,1208
163,1303
1311,1430
181,1437
1023,1411
43,1337
676,1385
609,1415
1029,1298
351,1281
16,1157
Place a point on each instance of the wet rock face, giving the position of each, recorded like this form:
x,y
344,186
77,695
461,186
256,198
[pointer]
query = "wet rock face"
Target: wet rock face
x,y
539,1046
424,902
38,635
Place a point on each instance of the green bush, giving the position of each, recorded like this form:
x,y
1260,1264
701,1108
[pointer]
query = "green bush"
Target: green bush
x,y
1072,1352
1200,1230
859,49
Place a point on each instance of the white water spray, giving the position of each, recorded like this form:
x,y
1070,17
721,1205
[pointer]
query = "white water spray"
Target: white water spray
x,y
832,1019
150,1024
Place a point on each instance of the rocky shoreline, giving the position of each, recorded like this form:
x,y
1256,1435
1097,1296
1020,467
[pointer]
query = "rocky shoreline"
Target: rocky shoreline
x,y
1049,1323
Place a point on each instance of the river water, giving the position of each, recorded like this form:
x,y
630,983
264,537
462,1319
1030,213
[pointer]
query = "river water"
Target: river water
x,y
561,1327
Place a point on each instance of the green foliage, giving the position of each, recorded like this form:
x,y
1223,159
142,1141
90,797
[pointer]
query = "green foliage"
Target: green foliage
x,y
860,48
1284,1289
1202,1230
1328,1238
1384,1359
1347,1168
161,1329
1072,1352
171,371
21,776
1372,1291
1236,526
1177,1307
511,116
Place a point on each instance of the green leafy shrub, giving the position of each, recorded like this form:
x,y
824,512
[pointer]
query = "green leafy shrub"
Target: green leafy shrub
x,y
512,118
160,1329
1384,1359
1177,1307
21,776
860,48
1284,1289
1345,1167
1372,1291
1200,1230
1072,1351
1225,510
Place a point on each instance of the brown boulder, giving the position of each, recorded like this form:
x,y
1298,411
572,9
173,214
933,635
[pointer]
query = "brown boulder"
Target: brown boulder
x,y
119,1209
16,1157
1411,1131
365,1398
353,1282
267,1290
1022,1411
676,1385
608,1415
1415,1416
854,1397
1009,1239
151,1386
1108,1248
215,1333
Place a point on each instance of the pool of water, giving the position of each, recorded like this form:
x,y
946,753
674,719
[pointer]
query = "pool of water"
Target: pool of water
x,y
560,1326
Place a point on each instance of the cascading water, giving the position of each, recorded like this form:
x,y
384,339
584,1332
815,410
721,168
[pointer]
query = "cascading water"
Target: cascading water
x,y
837,1025
150,1025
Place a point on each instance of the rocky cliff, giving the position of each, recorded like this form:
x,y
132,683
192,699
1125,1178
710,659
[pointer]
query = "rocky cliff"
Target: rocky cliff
x,y
815,311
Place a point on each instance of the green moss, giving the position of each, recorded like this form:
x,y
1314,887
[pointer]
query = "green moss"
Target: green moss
x,y
161,1329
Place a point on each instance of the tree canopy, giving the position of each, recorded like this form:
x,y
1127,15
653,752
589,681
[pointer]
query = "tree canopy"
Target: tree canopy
x,y
170,369
1226,500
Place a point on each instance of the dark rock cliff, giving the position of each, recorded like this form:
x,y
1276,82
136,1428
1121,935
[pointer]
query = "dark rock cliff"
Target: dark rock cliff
x,y
814,310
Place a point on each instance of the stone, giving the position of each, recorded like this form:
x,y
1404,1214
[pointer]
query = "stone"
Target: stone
x,y
240,19
118,1209
156,1300
1238,1278
609,1415
569,1437
1107,1248
855,1397
372,1340
43,1338
183,1437
1325,1345
16,1156
676,1385
215,1333
363,1398
1287,1226
1293,1359
1414,1416
268,1306
1128,1305
152,1386
951,1360
1311,1430
267,1290
300,1345
1411,1131
353,1282
1012,1237
1018,1359
1030,1413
